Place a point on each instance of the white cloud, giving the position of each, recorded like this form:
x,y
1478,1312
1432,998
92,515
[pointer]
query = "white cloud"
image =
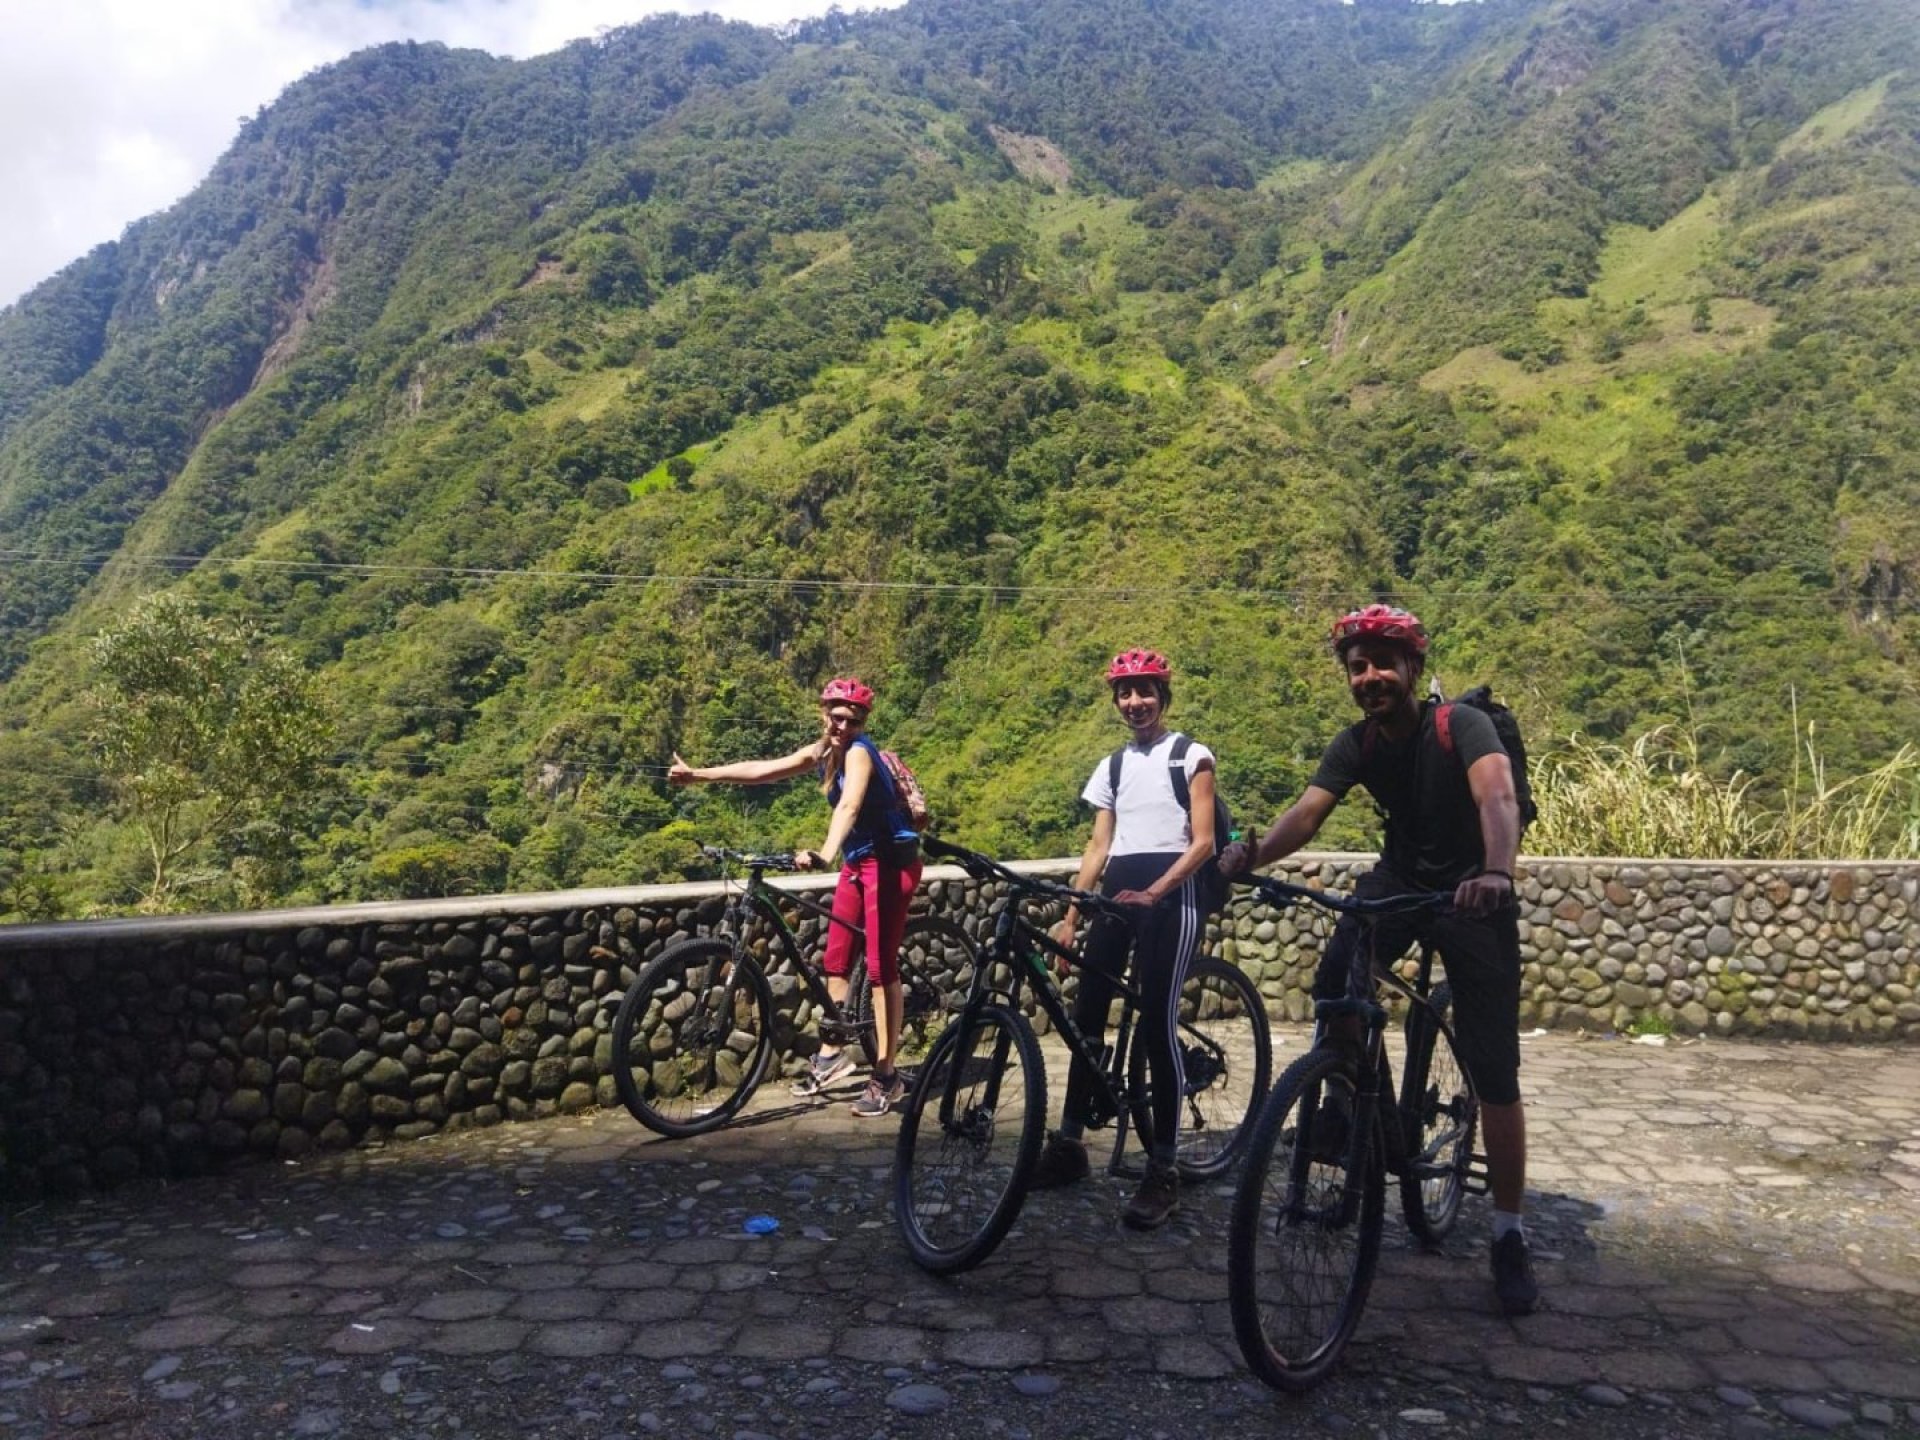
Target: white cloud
x,y
113,109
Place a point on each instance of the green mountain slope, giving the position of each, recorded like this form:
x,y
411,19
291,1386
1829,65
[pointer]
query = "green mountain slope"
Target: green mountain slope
x,y
572,411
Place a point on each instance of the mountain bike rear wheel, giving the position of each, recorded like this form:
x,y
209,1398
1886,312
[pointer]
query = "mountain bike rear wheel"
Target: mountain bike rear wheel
x,y
936,960
970,1134
1304,1236
692,1037
1439,1114
1226,1059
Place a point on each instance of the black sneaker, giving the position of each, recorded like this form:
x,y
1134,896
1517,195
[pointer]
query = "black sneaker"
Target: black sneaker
x,y
1513,1278
1156,1199
822,1071
1062,1162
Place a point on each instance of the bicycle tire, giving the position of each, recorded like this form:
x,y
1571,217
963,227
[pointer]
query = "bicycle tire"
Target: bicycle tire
x,y
1439,1116
936,960
959,1183
1301,1246
1227,1059
693,1077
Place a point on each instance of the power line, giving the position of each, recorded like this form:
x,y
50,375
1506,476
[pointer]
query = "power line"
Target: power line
x,y
612,578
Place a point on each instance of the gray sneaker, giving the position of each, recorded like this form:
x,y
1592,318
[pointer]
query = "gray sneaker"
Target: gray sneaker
x,y
822,1071
883,1092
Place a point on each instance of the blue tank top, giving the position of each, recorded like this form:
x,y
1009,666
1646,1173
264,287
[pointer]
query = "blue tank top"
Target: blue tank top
x,y
881,816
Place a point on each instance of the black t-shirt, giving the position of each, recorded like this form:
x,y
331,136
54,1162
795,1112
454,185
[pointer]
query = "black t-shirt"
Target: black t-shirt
x,y
1433,826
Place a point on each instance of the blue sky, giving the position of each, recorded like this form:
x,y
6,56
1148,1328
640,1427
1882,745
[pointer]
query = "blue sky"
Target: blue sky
x,y
113,109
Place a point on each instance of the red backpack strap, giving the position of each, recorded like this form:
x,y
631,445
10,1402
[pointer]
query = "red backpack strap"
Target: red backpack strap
x,y
1443,725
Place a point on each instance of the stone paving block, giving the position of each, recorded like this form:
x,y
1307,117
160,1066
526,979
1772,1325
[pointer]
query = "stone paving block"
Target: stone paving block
x,y
1773,1335
1813,1275
1537,1365
376,1337
1146,1315
262,1277
477,1337
294,1301
681,1341
1187,1357
1892,1379
637,1275
361,1276
1095,1282
882,1344
183,1332
1650,1369
580,1339
548,1305
756,1341
995,1349
526,1278
1765,1372
462,1305
648,1307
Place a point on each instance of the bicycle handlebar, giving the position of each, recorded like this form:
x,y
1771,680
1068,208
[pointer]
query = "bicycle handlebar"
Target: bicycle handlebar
x,y
1282,895
750,859
982,867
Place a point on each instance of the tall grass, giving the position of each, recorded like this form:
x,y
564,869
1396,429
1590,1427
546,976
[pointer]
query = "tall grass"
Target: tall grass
x,y
1654,797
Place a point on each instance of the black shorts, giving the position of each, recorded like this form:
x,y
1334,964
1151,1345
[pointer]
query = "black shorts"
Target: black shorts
x,y
1481,954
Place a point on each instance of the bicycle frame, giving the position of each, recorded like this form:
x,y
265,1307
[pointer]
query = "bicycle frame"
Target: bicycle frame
x,y
1020,945
758,897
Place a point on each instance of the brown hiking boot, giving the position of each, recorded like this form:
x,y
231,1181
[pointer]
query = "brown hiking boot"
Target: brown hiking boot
x,y
1156,1199
1062,1162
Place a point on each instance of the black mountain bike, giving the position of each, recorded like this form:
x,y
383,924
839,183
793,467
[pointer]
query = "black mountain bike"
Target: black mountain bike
x,y
1307,1216
695,1032
972,1126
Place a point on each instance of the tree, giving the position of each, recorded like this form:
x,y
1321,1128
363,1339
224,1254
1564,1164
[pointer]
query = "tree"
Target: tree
x,y
202,728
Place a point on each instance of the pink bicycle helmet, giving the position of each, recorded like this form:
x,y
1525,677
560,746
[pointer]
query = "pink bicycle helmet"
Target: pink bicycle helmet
x,y
847,690
1380,622
1129,664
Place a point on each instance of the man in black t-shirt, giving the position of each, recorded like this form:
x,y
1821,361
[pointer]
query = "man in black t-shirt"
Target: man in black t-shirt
x,y
1453,822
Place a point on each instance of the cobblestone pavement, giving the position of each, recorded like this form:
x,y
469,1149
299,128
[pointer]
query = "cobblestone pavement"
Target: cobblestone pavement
x,y
1728,1234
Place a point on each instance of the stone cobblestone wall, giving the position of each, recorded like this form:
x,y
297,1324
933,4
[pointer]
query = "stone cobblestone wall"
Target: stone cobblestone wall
x,y
164,1047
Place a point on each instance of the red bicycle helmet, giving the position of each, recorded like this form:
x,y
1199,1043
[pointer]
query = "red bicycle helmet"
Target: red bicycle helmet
x,y
1380,622
847,690
1130,663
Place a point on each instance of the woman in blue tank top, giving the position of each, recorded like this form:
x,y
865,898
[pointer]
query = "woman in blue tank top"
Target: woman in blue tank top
x,y
879,871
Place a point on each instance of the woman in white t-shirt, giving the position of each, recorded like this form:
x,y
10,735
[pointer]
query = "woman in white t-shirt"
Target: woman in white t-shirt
x,y
1144,852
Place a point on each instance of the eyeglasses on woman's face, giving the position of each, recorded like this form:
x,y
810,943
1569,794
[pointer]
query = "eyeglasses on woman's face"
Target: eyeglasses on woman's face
x,y
844,719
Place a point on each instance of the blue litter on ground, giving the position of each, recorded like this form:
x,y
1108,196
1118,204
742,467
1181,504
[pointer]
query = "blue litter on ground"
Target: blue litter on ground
x,y
761,1225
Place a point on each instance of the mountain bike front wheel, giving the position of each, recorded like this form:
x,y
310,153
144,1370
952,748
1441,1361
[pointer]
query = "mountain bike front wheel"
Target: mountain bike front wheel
x,y
1304,1236
692,1037
970,1134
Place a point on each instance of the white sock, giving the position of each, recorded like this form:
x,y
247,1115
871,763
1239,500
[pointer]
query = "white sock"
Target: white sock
x,y
1505,1223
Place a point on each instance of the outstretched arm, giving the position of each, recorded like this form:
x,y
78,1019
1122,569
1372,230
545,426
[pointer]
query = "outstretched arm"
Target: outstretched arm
x,y
745,772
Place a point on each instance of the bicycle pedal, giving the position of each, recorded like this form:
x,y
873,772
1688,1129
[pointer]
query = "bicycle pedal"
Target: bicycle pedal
x,y
1478,1180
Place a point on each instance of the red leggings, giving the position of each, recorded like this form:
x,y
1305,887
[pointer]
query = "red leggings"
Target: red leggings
x,y
874,897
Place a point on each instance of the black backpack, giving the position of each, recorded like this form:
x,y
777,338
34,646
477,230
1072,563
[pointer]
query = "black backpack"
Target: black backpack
x,y
1211,888
1507,728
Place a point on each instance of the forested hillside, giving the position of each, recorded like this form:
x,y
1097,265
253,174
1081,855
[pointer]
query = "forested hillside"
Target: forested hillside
x,y
556,415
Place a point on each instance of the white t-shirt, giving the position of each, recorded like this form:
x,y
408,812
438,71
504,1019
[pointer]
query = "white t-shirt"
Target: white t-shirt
x,y
1147,818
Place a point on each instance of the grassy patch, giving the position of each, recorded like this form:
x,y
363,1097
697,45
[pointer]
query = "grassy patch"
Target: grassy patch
x,y
1830,126
1660,267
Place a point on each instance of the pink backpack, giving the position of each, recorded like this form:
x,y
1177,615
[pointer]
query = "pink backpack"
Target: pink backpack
x,y
906,790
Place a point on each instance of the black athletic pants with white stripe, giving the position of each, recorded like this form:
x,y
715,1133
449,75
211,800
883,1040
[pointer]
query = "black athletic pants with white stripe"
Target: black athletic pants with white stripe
x,y
1168,939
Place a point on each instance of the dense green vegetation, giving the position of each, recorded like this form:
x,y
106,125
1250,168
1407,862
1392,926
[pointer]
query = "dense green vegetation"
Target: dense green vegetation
x,y
555,415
